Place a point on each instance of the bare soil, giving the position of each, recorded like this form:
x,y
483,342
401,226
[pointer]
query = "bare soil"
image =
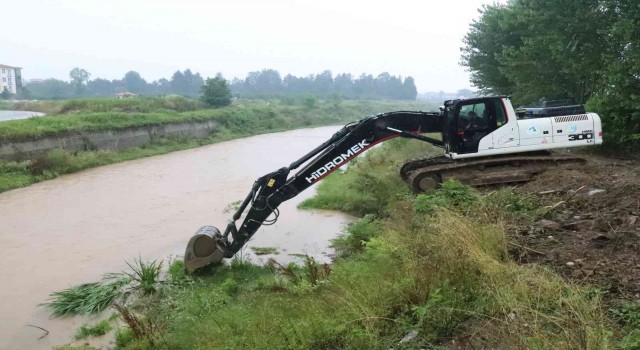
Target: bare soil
x,y
591,234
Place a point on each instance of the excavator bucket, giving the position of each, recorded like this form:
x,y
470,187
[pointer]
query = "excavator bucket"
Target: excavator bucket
x,y
203,249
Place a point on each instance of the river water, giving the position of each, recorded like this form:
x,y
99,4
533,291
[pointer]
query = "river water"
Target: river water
x,y
75,228
12,115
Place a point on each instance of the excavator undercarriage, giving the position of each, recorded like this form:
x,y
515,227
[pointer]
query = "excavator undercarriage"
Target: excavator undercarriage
x,y
426,174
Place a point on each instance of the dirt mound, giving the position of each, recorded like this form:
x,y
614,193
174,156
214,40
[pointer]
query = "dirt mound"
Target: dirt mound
x,y
592,232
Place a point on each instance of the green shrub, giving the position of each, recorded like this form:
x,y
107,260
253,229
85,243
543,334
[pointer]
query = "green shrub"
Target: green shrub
x,y
145,274
216,92
124,336
452,194
176,272
308,101
101,328
508,207
620,118
356,236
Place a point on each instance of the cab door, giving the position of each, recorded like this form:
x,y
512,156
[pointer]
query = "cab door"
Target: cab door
x,y
506,133
474,122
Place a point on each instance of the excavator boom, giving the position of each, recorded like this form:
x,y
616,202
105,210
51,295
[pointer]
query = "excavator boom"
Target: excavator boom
x,y
209,246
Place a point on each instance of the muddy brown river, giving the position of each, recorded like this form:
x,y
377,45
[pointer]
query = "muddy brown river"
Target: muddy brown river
x,y
75,228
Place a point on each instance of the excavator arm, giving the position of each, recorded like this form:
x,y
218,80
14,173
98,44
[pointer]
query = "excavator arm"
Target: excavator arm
x,y
209,246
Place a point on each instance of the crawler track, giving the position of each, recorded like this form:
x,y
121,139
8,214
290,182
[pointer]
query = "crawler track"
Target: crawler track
x,y
425,174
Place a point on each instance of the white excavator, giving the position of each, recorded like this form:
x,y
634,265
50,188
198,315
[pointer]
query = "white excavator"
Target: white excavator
x,y
485,141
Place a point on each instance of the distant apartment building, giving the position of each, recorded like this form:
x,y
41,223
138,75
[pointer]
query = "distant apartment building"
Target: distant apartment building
x,y
10,79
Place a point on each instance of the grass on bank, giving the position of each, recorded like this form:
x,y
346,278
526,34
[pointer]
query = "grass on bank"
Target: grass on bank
x,y
111,114
89,298
437,264
247,119
140,104
99,329
371,182
93,298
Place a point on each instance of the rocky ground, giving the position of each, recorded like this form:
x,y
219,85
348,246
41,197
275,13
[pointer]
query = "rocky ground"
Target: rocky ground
x,y
592,234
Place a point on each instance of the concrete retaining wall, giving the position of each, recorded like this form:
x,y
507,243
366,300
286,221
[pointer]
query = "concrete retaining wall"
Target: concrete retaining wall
x,y
113,140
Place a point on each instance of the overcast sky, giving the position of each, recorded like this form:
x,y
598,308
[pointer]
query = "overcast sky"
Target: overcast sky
x,y
155,38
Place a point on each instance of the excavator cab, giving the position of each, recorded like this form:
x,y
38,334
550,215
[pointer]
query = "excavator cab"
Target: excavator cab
x,y
469,121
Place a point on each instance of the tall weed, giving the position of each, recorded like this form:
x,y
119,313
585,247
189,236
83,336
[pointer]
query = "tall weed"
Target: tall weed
x,y
146,275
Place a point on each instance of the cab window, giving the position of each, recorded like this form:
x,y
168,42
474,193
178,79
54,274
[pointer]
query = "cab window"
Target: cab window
x,y
473,117
501,118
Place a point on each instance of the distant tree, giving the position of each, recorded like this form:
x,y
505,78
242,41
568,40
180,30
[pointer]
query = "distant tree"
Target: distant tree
x,y
51,89
264,82
79,78
216,92
343,85
179,84
365,86
192,83
323,83
196,84
188,81
133,82
237,86
295,85
409,88
100,87
163,86
118,85
152,88
395,89
5,94
24,94
381,85
268,83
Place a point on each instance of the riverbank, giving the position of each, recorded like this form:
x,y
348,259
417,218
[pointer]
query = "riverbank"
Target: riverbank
x,y
429,271
244,118
75,228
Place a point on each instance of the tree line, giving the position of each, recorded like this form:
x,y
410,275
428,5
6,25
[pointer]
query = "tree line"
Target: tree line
x,y
185,83
584,50
268,82
259,84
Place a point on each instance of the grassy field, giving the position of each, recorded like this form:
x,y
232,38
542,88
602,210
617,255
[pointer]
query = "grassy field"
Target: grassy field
x,y
243,118
435,267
